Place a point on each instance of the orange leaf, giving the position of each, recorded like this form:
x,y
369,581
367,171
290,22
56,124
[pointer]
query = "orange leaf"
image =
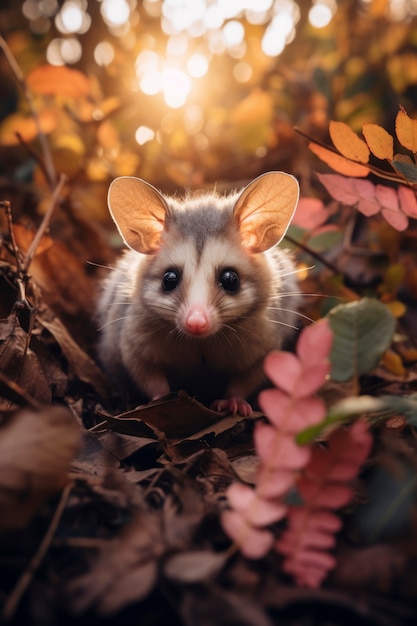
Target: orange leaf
x,y
406,130
339,163
393,363
380,142
25,126
59,81
348,143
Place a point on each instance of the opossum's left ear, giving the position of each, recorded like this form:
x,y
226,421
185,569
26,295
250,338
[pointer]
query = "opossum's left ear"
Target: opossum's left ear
x,y
265,208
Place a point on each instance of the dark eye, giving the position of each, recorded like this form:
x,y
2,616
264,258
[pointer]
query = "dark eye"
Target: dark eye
x,y
170,280
229,280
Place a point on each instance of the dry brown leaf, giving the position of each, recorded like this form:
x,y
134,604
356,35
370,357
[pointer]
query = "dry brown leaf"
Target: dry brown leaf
x,y
125,571
36,449
19,363
194,567
80,363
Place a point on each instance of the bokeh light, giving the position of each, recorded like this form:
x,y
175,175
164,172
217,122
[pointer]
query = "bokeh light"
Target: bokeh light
x,y
193,35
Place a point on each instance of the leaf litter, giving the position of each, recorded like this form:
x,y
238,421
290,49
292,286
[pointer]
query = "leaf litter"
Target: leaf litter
x,y
138,533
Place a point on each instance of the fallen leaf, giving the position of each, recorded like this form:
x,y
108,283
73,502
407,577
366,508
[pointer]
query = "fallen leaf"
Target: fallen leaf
x,y
194,567
36,450
123,572
19,363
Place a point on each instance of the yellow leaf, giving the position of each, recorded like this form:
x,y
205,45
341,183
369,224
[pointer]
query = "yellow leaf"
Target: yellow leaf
x,y
348,143
406,130
393,362
59,81
396,307
339,163
379,141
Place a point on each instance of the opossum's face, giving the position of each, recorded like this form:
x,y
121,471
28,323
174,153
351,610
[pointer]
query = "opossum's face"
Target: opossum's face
x,y
203,285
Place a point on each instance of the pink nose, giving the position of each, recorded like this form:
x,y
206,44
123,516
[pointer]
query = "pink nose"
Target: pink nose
x,y
196,322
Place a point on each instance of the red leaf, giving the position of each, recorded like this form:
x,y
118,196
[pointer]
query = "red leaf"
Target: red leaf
x,y
324,495
300,518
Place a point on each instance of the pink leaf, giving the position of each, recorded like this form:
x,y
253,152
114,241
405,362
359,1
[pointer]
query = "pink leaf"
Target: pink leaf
x,y
277,450
367,203
272,483
284,369
390,210
310,213
253,543
315,342
340,188
289,414
313,378
287,372
256,511
408,201
324,495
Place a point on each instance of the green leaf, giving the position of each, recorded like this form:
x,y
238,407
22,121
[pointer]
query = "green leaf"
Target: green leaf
x,y
408,170
348,408
341,412
363,331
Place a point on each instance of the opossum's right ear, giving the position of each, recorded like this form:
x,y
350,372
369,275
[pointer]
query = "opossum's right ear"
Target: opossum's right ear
x,y
139,211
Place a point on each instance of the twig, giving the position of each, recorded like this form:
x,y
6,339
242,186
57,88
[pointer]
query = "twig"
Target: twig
x,y
25,579
49,164
8,210
44,224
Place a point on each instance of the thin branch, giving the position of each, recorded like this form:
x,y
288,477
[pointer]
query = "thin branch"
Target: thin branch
x,y
25,579
44,224
49,164
400,179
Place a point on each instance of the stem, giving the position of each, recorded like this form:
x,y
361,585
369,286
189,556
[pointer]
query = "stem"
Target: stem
x,y
49,165
24,581
44,224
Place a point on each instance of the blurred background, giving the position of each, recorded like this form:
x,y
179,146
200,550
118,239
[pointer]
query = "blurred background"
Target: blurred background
x,y
188,92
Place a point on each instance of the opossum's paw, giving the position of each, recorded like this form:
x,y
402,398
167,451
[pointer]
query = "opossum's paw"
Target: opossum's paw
x,y
233,406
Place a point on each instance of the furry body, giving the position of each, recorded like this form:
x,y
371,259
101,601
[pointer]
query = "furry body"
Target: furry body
x,y
204,335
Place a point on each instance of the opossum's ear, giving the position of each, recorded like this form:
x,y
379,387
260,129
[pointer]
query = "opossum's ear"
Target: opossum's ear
x,y
265,209
139,211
